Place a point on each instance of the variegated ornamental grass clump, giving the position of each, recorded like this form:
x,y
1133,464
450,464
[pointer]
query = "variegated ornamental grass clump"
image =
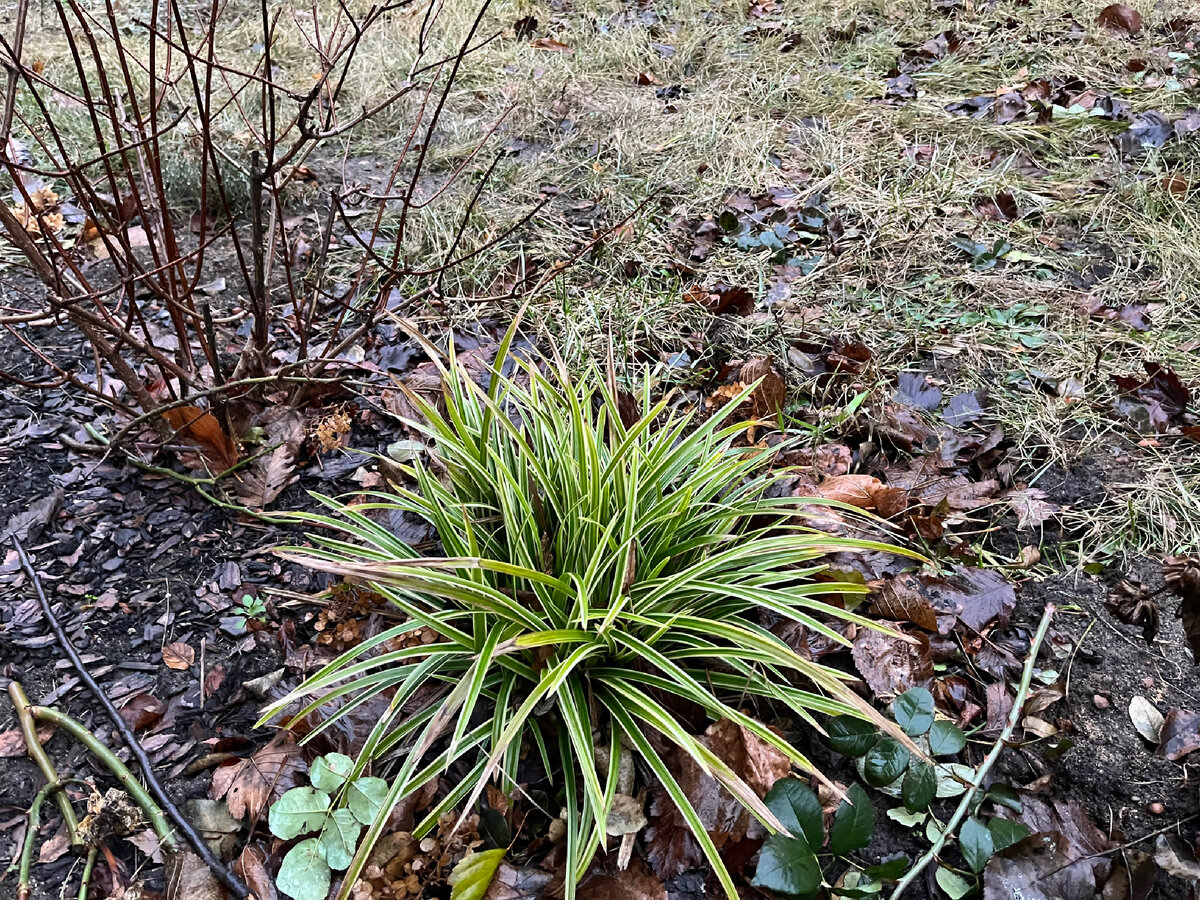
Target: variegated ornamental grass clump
x,y
591,567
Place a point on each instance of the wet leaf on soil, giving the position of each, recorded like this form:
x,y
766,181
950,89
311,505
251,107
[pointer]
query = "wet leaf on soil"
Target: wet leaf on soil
x,y
1180,734
1147,720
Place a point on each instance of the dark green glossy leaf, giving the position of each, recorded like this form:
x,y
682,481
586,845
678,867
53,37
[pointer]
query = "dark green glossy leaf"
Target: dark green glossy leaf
x,y
1005,795
884,762
788,866
919,786
853,823
797,807
976,844
1006,832
913,711
851,736
889,870
946,738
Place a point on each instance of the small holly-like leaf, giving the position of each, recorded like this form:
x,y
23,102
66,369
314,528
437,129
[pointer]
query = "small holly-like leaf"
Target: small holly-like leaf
x,y
888,870
1006,832
955,886
946,738
919,787
884,762
850,736
304,874
299,811
339,838
471,878
788,866
365,797
976,844
853,823
329,772
798,809
913,711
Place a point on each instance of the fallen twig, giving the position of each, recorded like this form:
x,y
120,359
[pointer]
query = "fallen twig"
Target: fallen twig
x,y
1014,717
201,848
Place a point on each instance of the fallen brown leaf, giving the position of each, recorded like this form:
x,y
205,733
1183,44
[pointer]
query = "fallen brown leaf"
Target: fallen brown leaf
x,y
889,665
1180,734
1120,18
200,429
248,785
178,655
12,741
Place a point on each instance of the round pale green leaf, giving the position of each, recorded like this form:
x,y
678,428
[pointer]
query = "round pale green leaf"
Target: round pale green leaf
x,y
850,736
853,823
946,738
920,786
788,866
304,874
884,762
797,807
298,812
329,772
976,844
1006,832
339,838
913,711
471,878
365,797
955,886
953,779
906,818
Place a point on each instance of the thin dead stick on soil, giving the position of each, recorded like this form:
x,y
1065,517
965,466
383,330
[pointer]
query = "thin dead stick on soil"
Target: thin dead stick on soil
x,y
164,803
1014,717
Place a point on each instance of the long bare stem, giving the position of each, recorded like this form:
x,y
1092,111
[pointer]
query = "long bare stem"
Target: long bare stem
x,y
968,797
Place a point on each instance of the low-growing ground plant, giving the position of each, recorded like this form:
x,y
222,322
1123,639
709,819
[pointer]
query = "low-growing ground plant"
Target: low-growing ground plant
x,y
602,553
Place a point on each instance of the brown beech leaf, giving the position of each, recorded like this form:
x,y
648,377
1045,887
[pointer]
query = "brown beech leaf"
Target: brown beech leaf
x,y
549,43
889,665
178,655
12,742
248,785
670,846
855,490
144,710
1180,734
768,397
252,866
265,479
635,882
200,429
902,598
1120,18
